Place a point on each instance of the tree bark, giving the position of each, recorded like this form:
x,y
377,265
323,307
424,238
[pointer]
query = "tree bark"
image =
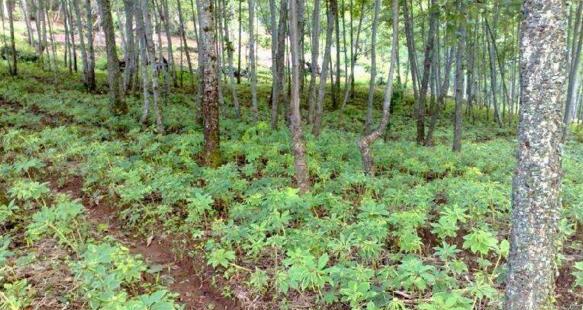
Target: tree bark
x,y
252,65
536,202
301,167
365,142
459,78
373,66
278,93
13,66
315,49
210,98
91,83
119,105
325,65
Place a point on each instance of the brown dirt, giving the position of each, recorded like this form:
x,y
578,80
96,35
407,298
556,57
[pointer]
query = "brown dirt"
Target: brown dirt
x,y
195,291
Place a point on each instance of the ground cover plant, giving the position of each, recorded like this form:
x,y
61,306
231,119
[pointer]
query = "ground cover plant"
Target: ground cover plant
x,y
142,182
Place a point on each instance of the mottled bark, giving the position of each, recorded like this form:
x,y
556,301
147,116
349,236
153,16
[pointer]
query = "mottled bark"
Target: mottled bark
x,y
301,167
119,105
536,202
365,142
210,81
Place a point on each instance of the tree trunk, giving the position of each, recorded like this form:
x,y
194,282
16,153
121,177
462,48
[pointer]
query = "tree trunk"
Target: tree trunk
x,y
130,48
119,105
231,78
574,70
166,23
252,66
373,67
210,101
325,65
26,16
426,71
278,93
150,50
13,66
301,167
365,142
91,83
315,49
459,78
536,202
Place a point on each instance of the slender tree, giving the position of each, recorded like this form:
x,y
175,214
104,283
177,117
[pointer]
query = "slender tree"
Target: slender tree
x,y
459,79
365,142
13,65
536,202
301,167
119,105
317,122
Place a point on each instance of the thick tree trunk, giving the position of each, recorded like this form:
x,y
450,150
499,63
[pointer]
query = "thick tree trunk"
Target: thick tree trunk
x,y
536,202
298,147
210,81
119,105
365,143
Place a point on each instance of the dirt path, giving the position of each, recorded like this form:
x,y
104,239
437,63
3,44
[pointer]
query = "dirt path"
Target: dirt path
x,y
195,291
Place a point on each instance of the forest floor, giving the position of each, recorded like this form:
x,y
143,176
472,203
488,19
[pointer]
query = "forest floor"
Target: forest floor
x,y
97,212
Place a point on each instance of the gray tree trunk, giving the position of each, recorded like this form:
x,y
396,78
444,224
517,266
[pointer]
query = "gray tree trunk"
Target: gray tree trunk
x,y
459,78
278,93
365,143
298,147
536,202
252,65
130,48
91,83
325,65
373,66
210,81
315,49
119,105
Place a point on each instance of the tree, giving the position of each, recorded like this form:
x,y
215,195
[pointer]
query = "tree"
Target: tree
x,y
316,123
119,105
252,65
210,82
536,202
459,80
13,66
301,167
365,142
